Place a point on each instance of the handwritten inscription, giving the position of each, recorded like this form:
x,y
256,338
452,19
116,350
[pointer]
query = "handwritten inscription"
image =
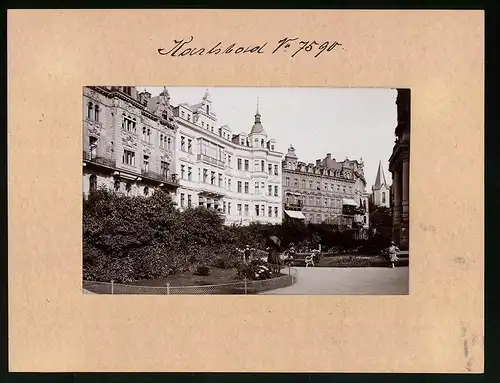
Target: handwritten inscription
x,y
287,45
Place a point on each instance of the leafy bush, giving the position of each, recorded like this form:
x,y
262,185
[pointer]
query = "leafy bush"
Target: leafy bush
x,y
203,270
255,270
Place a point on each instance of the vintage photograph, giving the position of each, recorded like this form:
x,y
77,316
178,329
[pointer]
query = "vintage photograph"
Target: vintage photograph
x,y
241,190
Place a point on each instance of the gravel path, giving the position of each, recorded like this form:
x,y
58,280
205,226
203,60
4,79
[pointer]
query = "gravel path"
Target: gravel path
x,y
347,281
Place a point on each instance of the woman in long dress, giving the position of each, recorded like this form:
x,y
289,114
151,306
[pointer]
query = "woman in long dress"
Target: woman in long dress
x,y
273,248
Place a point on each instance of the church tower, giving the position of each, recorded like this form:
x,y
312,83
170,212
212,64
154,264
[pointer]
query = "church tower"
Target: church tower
x,y
380,190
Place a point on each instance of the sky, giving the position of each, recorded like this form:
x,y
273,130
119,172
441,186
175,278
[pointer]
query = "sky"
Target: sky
x,y
346,122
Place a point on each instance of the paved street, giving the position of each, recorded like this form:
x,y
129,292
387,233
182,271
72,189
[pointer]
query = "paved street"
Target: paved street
x,y
347,281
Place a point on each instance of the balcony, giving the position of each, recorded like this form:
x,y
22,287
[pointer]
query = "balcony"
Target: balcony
x,y
105,161
210,160
296,206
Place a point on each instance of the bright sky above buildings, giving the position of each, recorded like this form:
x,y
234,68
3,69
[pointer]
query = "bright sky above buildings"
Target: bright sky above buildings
x,y
346,122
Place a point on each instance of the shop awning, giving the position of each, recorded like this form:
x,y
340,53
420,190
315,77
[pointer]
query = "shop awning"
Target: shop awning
x,y
295,214
349,202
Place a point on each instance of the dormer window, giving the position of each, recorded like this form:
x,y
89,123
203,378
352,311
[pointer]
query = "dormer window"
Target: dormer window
x,y
208,109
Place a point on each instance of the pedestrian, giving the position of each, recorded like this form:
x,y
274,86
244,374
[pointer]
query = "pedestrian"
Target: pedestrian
x,y
290,253
273,258
393,251
247,254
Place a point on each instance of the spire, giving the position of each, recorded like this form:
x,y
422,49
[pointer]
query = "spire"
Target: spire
x,y
206,96
257,114
380,180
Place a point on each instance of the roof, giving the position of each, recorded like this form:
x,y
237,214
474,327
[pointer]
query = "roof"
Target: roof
x,y
257,128
295,214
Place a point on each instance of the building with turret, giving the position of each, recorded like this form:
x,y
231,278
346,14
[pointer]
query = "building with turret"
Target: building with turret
x,y
381,191
329,191
128,141
236,174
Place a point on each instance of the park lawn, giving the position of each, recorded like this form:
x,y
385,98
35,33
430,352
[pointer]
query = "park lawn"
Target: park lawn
x,y
217,276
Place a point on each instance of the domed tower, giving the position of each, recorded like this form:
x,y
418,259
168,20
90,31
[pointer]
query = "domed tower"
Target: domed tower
x,y
257,137
291,159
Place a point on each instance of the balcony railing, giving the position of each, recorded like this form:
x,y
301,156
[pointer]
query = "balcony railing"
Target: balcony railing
x,y
210,160
99,160
352,210
172,178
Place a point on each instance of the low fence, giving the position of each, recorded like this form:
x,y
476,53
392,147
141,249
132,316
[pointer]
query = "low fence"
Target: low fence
x,y
245,287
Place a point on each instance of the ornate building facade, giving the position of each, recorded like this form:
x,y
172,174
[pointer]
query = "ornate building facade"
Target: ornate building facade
x,y
128,142
399,166
381,192
239,175
328,192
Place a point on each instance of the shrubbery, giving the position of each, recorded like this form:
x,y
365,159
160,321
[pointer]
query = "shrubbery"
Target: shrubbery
x,y
256,270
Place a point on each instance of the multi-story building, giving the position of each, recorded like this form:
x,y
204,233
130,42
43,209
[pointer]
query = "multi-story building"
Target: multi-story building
x,y
381,191
128,141
328,192
239,175
399,166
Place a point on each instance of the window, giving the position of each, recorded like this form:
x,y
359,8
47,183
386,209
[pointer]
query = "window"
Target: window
x,y
269,190
229,184
190,146
128,158
303,184
276,212
296,182
318,201
208,109
326,202
190,173
257,210
164,168
148,135
183,170
310,184
326,187
262,166
203,124
270,169
205,175
246,210
246,165
272,148
128,188
189,200
182,113
92,147
224,207
145,164
246,187
270,211
364,219
169,144
383,197
161,141
183,143
276,191
262,187
182,199
228,161
144,134
146,191
220,180
256,188
275,170
96,113
343,189
239,163
318,186
212,178
229,208
262,211
117,185
238,207
239,186
129,124
287,181
93,182
318,218
89,110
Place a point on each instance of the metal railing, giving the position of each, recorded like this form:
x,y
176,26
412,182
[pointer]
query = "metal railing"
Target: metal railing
x,y
210,160
244,287
99,159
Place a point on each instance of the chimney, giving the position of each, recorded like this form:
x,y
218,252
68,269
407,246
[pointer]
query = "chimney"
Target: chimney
x,y
329,155
318,162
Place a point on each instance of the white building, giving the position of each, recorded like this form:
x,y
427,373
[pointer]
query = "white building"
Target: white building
x,y
381,190
238,175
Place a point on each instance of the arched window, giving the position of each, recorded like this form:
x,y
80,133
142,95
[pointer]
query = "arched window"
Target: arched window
x,y
169,144
89,110
262,143
383,197
93,182
117,185
96,113
146,191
